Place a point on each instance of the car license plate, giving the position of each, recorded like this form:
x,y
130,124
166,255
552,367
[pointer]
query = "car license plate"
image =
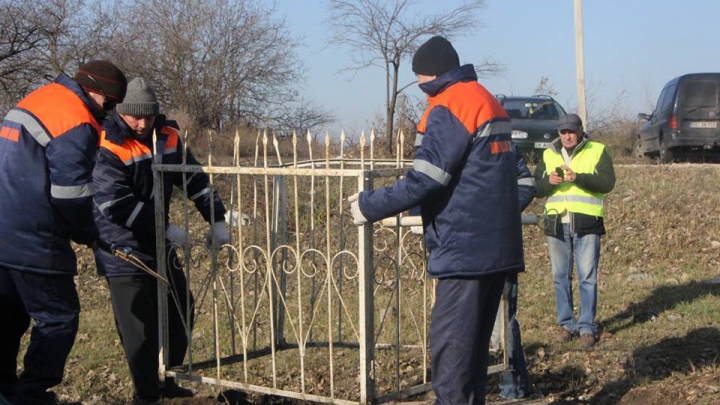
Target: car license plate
x,y
703,124
542,145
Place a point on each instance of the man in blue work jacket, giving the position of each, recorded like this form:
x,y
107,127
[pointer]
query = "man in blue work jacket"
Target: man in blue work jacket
x,y
48,143
464,178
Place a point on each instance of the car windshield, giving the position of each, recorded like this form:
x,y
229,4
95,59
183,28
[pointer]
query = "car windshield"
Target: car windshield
x,y
532,110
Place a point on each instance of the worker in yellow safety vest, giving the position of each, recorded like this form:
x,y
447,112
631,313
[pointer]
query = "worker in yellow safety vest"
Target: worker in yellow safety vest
x,y
575,174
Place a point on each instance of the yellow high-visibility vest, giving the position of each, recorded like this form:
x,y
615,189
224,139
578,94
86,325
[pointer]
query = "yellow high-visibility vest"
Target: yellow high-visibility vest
x,y
568,196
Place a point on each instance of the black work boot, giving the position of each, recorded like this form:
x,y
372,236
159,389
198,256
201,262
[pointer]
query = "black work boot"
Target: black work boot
x,y
138,400
172,390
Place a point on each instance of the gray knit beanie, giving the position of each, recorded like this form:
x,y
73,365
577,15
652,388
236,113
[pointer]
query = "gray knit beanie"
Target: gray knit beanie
x,y
140,100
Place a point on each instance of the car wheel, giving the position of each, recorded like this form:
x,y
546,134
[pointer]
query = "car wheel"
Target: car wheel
x,y
637,149
666,154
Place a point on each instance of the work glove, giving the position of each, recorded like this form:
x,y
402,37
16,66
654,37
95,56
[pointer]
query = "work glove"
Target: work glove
x,y
233,217
220,232
358,217
176,235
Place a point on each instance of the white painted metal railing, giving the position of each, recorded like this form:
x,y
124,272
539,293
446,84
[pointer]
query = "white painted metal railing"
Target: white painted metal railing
x,y
302,303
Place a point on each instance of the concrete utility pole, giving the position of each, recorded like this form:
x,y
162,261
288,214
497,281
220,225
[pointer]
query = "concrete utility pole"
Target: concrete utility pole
x,y
580,62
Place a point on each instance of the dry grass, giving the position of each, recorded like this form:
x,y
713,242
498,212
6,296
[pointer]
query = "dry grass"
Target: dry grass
x,y
659,318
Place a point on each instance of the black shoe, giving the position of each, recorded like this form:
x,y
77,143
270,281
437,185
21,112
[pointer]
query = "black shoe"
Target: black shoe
x,y
45,398
172,390
146,400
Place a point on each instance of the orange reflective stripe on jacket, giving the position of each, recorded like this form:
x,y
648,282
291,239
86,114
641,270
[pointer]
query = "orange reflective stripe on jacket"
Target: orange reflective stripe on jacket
x,y
58,121
9,133
133,150
455,99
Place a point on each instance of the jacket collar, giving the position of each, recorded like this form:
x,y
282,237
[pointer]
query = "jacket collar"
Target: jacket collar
x,y
556,145
465,73
116,130
73,86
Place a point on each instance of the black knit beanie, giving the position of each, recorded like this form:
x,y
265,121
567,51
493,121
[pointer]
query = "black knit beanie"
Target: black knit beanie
x,y
102,77
140,100
435,57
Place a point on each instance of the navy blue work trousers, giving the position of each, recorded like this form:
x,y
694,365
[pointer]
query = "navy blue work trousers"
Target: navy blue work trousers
x,y
135,307
52,302
462,322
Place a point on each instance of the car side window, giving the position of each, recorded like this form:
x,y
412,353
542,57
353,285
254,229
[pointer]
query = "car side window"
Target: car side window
x,y
658,106
667,102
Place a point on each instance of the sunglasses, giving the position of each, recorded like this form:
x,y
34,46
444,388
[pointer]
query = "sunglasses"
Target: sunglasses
x,y
108,104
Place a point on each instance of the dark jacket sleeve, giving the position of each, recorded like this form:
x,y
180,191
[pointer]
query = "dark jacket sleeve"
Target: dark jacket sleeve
x,y
526,182
603,180
198,190
542,180
115,198
70,162
443,150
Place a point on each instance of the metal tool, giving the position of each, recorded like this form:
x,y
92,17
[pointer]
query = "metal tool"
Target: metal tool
x,y
137,259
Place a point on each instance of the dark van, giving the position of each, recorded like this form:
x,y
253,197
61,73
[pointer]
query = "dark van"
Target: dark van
x,y
685,121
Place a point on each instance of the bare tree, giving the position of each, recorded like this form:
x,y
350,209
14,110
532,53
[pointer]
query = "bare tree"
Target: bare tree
x,y
600,118
21,35
545,87
41,39
408,114
612,115
216,62
383,33
301,116
78,31
221,61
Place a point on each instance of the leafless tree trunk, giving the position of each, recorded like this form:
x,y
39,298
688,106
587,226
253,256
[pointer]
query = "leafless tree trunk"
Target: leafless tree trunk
x,y
383,33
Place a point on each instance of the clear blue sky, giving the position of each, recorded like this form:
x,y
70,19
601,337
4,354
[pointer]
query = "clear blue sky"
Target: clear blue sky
x,y
631,46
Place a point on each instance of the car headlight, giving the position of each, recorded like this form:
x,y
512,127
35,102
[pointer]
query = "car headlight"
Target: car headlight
x,y
519,135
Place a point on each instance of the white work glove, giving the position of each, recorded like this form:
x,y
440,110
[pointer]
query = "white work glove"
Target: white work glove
x,y
233,217
176,235
358,217
220,232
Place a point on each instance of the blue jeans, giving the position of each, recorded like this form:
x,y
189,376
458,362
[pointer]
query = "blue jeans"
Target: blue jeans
x,y
584,251
514,383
